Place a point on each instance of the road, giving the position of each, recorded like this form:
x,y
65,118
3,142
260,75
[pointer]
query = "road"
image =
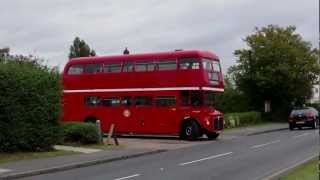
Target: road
x,y
243,158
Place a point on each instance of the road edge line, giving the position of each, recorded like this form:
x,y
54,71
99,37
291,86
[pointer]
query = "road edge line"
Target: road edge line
x,y
285,171
75,165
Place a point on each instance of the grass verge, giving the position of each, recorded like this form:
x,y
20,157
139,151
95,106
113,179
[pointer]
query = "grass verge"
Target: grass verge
x,y
308,171
10,157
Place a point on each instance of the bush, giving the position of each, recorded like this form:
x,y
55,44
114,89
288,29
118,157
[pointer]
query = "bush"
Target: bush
x,y
242,119
80,133
29,106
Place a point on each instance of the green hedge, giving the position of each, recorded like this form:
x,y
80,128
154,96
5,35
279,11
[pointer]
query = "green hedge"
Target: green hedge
x,y
242,119
80,133
29,106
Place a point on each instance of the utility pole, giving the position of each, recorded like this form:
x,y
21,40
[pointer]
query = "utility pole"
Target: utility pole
x,y
250,64
319,60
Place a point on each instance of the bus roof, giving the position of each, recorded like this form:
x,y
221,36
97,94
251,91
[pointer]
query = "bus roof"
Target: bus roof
x,y
146,56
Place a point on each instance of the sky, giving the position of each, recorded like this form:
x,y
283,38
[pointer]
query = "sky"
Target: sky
x,y
46,28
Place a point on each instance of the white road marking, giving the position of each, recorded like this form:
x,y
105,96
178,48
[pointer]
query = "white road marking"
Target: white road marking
x,y
265,144
128,177
304,134
207,158
4,170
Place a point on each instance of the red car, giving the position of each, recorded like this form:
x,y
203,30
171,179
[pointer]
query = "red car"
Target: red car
x,y
301,117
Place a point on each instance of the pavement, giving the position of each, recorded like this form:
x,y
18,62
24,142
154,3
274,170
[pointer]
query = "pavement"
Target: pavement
x,y
135,148
76,149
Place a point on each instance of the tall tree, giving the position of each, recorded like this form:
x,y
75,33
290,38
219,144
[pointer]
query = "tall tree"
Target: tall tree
x,y
278,66
4,52
231,100
80,48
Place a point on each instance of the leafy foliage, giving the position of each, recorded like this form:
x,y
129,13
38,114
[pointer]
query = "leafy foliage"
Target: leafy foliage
x,y
80,48
232,100
4,52
278,66
79,132
29,105
242,119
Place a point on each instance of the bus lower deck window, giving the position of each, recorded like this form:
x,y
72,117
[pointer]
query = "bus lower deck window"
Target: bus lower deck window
x,y
143,100
165,101
92,100
184,98
126,101
113,101
196,99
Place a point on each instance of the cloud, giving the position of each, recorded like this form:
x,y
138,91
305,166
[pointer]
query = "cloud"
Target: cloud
x,y
47,28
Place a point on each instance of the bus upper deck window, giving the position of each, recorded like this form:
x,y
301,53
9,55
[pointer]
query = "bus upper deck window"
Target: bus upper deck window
x,y
75,69
189,63
207,64
216,66
112,68
167,65
211,65
93,68
127,67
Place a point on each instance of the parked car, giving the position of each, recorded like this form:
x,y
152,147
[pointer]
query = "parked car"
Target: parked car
x,y
301,117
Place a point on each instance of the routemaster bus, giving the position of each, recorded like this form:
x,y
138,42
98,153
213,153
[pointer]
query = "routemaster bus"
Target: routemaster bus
x,y
166,93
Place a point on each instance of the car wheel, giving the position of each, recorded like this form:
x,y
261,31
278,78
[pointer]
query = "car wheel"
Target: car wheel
x,y
314,125
291,126
190,130
212,136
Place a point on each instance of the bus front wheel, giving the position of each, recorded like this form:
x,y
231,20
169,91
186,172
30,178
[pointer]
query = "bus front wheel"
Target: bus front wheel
x,y
190,130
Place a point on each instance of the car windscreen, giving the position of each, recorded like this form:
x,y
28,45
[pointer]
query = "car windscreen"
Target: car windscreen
x,y
299,111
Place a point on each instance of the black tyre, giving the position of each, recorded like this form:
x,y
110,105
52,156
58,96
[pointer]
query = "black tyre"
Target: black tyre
x,y
90,120
212,136
190,130
314,125
291,126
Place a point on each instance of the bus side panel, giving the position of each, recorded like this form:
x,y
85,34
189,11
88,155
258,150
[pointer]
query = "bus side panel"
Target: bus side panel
x,y
73,109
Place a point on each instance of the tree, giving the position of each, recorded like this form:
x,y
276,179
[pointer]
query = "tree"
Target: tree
x,y
231,100
80,48
33,92
4,52
278,66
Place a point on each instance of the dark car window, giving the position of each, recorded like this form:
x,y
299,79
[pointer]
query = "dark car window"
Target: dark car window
x,y
299,111
304,111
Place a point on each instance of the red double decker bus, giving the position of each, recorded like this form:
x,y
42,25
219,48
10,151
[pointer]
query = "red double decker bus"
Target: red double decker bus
x,y
169,93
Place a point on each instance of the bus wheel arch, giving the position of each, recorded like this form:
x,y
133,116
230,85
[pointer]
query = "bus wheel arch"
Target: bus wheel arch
x,y
90,119
190,129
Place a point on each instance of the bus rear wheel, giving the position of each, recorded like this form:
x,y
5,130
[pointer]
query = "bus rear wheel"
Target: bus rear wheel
x,y
91,119
212,135
190,130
